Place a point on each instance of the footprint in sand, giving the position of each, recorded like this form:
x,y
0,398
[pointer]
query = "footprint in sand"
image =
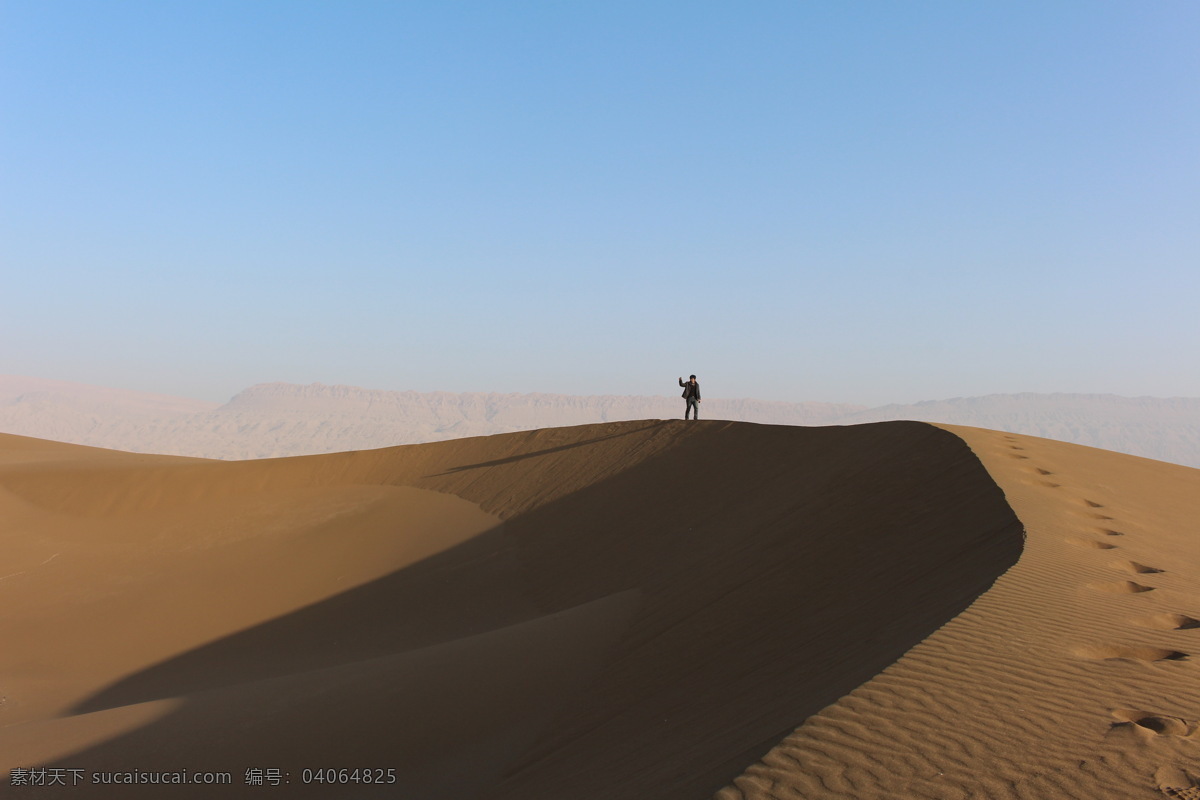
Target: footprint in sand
x,y
1109,532
1176,782
1092,543
1122,587
1093,514
1133,566
1108,652
1171,622
1156,724
1047,484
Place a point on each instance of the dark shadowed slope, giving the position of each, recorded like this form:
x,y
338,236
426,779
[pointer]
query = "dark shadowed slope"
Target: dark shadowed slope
x,y
627,610
1075,677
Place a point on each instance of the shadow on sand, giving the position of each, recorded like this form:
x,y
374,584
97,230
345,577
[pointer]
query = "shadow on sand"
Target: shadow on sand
x,y
650,634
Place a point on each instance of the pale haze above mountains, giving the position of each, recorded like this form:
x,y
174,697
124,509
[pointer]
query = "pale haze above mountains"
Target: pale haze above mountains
x,y
280,419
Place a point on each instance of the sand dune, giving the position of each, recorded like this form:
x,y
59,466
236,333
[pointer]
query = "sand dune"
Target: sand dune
x,y
1073,677
627,610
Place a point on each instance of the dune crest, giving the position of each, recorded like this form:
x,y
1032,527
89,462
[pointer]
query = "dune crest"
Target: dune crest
x,y
280,419
1076,676
623,610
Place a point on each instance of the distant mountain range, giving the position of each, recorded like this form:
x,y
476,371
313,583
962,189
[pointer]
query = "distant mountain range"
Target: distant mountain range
x,y
281,419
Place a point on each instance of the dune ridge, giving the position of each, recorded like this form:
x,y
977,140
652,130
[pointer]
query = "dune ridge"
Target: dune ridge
x,y
622,610
1075,676
281,419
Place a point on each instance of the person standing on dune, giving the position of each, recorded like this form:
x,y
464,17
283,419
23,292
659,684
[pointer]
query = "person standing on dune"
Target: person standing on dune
x,y
691,393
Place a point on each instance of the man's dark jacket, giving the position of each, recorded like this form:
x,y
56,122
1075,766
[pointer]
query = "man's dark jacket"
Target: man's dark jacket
x,y
690,389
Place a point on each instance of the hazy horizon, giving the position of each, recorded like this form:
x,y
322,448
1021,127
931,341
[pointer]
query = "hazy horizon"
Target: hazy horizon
x,y
655,394
872,204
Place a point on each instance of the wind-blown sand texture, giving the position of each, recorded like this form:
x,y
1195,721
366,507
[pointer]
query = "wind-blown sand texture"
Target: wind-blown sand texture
x,y
1073,677
627,610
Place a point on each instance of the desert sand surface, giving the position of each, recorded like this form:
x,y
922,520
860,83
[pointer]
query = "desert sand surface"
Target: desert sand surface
x,y
1073,677
648,609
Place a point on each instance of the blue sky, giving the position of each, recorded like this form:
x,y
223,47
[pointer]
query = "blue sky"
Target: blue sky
x,y
864,202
